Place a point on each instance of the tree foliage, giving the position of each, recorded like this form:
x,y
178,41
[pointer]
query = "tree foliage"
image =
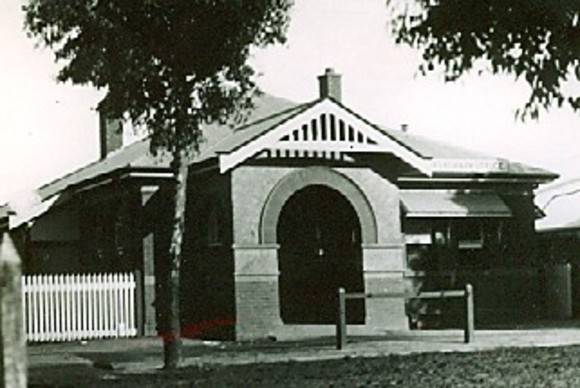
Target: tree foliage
x,y
537,40
170,64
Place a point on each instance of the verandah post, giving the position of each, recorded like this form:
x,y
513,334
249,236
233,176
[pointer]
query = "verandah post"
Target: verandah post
x,y
341,319
139,313
469,314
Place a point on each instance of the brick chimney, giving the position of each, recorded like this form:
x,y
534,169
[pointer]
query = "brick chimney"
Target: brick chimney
x,y
330,85
110,134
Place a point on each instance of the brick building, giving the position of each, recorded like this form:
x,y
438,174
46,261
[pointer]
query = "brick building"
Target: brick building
x,y
284,209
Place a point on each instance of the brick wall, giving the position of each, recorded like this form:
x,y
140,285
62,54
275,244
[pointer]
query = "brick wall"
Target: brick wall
x,y
257,309
208,306
257,301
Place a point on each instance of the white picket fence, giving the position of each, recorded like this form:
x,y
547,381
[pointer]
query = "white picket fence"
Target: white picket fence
x,y
74,307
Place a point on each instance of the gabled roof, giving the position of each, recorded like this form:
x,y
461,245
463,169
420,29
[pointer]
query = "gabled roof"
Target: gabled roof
x,y
324,125
276,123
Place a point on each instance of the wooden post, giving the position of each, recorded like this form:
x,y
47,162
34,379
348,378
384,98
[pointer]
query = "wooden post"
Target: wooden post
x,y
341,319
469,314
139,313
148,290
13,370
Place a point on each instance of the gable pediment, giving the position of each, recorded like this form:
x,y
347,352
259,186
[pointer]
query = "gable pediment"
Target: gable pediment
x,y
325,128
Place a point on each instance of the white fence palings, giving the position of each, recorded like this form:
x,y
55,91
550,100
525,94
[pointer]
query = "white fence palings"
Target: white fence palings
x,y
74,307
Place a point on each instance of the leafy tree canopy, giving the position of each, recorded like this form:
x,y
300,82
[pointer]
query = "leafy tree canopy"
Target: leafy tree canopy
x,y
169,64
537,40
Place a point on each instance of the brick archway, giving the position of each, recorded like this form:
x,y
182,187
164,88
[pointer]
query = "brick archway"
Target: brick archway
x,y
298,180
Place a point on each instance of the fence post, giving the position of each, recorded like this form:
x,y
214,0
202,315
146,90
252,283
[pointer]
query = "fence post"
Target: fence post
x,y
139,313
341,319
13,359
469,314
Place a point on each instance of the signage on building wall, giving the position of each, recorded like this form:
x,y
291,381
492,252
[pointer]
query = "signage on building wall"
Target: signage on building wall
x,y
470,165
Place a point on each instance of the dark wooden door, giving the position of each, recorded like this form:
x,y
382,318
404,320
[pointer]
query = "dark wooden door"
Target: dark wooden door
x,y
320,250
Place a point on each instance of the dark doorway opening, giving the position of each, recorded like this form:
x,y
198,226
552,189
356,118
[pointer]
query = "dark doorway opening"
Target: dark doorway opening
x,y
320,250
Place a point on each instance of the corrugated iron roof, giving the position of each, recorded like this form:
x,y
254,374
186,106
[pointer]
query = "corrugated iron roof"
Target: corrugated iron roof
x,y
433,204
138,155
247,133
430,148
269,112
561,204
433,149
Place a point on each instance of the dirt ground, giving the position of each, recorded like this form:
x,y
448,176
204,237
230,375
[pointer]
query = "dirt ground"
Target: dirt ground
x,y
506,367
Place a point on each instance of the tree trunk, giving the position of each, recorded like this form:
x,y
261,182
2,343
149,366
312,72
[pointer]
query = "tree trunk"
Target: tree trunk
x,y
172,337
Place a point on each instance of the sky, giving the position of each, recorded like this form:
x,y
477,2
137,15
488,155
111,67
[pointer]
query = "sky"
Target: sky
x,y
48,129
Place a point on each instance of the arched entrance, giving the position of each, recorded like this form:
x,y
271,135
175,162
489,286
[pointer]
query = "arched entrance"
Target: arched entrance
x,y
319,234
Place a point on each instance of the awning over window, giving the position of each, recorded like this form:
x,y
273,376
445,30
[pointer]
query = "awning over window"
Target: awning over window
x,y
428,204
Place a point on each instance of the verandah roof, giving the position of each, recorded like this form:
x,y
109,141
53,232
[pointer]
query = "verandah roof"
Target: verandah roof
x,y
445,204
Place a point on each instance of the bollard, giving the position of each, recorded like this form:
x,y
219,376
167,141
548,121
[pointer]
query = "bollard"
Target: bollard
x,y
469,314
341,319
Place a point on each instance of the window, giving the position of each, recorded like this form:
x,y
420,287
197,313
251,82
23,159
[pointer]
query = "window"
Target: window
x,y
451,243
418,239
417,233
468,234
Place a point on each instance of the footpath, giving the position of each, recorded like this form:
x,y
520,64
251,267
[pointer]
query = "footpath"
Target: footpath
x,y
145,354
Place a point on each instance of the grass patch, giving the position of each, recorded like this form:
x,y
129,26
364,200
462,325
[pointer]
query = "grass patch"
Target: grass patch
x,y
508,367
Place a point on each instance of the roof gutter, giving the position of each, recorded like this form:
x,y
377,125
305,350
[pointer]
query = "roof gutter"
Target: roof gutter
x,y
41,206
573,229
121,174
473,179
